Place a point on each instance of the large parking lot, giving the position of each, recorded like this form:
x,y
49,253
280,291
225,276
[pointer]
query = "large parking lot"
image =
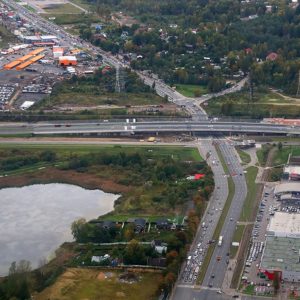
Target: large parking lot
x,y
251,277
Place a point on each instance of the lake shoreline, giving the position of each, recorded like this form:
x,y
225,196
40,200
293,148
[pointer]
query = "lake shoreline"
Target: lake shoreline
x,y
53,175
22,209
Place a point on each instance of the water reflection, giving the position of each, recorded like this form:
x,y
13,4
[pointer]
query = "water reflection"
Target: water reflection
x,y
36,219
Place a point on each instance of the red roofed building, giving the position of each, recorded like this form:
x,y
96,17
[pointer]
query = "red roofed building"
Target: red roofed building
x,y
198,176
248,50
272,56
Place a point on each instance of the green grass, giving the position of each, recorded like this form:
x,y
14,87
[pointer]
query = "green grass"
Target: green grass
x,y
245,157
265,104
62,9
86,99
189,90
62,150
78,284
262,154
81,18
281,157
249,290
123,218
237,237
210,250
249,204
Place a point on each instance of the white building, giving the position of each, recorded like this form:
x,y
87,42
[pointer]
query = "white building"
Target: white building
x,y
283,224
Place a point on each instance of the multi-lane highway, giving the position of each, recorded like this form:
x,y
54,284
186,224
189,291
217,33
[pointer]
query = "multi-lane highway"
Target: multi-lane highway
x,y
216,271
218,265
145,127
209,221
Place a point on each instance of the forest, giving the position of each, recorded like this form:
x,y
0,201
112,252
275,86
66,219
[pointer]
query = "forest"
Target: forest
x,y
174,38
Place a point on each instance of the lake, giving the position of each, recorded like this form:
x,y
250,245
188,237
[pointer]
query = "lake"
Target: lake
x,y
36,219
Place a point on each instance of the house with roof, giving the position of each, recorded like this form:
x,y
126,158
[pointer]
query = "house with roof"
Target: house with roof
x,y
163,224
272,56
107,224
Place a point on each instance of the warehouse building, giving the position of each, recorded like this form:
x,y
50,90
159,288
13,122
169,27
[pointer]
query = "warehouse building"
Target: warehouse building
x,y
282,248
283,224
67,61
282,254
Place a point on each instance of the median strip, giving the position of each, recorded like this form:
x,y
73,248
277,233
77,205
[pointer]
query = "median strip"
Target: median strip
x,y
211,248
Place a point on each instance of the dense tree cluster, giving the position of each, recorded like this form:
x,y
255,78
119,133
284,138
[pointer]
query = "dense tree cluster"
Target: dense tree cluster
x,y
182,34
18,159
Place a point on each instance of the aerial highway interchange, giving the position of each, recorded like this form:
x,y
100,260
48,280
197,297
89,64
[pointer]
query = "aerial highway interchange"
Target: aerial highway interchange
x,y
214,284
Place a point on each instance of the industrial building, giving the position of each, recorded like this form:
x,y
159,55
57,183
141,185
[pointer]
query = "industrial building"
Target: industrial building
x,y
67,61
282,254
283,224
57,52
39,39
282,247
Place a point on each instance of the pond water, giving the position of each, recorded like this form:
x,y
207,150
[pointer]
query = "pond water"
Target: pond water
x,y
36,219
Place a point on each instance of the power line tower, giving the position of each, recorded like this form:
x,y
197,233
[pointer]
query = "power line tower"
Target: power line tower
x,y
120,79
298,89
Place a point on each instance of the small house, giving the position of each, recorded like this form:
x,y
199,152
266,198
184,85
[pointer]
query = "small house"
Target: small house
x,y
139,224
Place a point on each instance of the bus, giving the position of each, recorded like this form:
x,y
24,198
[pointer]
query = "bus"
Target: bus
x,y
220,240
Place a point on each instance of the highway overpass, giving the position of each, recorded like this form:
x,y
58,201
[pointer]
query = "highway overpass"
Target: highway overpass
x,y
205,127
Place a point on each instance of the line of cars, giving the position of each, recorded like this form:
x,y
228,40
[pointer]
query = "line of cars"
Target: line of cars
x,y
194,262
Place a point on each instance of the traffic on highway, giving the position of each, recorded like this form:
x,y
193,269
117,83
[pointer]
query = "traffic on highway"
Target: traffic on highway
x,y
131,127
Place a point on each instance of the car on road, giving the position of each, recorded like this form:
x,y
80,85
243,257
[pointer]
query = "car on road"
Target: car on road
x,y
212,275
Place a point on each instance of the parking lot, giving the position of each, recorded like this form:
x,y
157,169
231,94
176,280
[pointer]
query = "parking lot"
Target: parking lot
x,y
267,207
6,93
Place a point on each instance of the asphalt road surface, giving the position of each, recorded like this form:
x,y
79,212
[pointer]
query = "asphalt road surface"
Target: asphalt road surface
x,y
150,127
217,268
212,285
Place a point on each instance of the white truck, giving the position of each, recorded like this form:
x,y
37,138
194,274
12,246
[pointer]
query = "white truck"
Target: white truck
x,y
220,240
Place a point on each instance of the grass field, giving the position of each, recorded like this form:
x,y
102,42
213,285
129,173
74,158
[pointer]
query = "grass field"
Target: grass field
x,y
281,157
177,153
262,154
65,8
80,18
252,187
79,284
189,90
85,99
237,237
264,104
245,157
